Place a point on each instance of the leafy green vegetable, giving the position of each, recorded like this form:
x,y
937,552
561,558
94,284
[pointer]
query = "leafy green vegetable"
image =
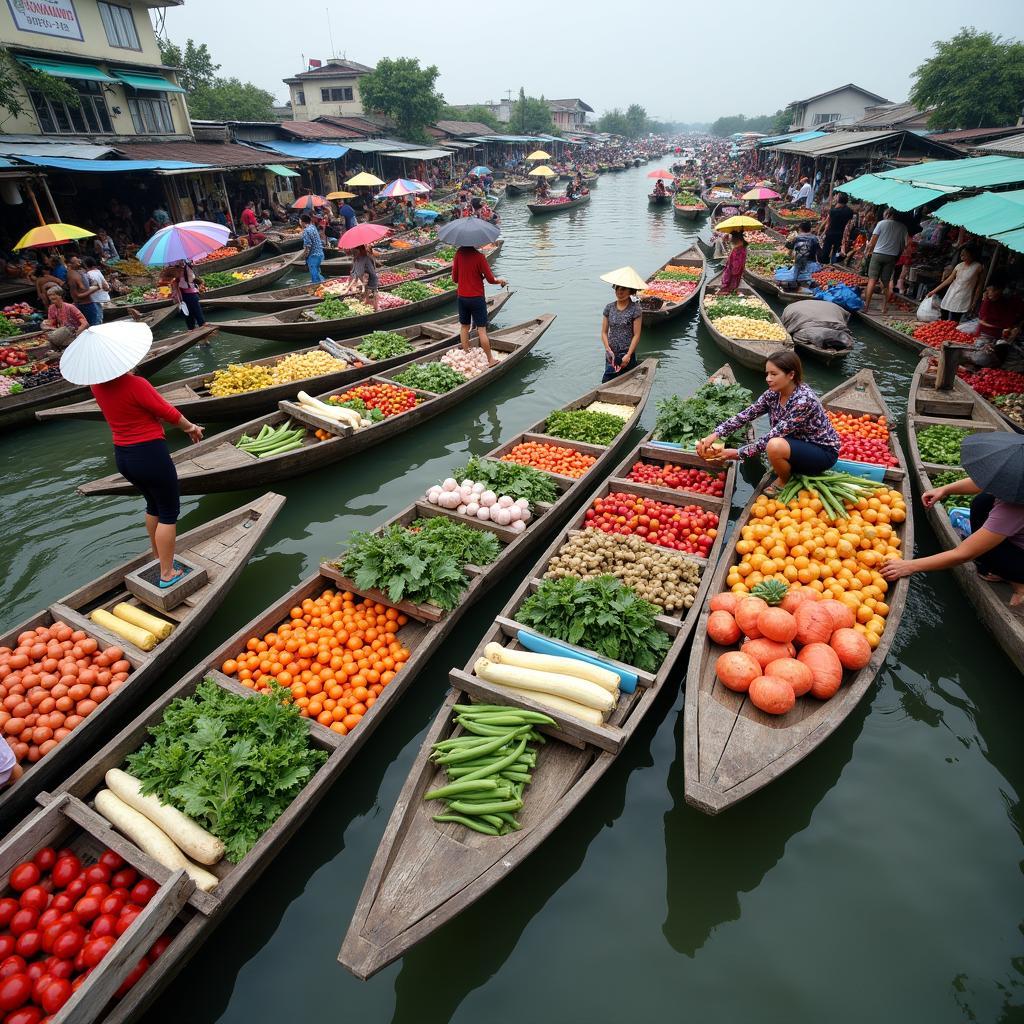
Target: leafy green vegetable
x,y
333,308
384,345
583,425
730,305
446,284
446,253
437,377
413,291
219,279
950,476
232,763
602,615
941,444
464,543
7,329
509,478
686,420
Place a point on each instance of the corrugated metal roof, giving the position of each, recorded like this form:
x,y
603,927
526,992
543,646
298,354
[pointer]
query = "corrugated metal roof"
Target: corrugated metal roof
x,y
1015,144
380,146
111,166
306,150
900,195
209,154
975,172
890,115
463,128
420,154
317,130
789,137
48,149
988,214
834,142
966,134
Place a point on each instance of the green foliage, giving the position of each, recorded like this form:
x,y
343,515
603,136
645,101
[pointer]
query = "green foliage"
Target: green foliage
x,y
636,118
686,420
730,305
951,476
602,615
413,291
509,478
975,80
941,444
613,122
531,116
229,99
726,126
464,543
384,345
476,112
16,80
196,69
403,91
436,377
584,425
232,763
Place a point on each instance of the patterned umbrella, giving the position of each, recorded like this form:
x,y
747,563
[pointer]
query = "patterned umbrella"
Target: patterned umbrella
x,y
52,234
310,202
480,170
402,187
187,241
362,234
760,193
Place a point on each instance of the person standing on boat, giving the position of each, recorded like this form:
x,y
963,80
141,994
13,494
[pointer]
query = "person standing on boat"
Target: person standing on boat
x,y
185,291
800,437
621,322
963,286
469,271
735,264
312,248
363,276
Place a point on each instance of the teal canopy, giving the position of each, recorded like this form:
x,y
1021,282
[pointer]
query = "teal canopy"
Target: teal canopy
x,y
281,171
59,69
988,214
1012,239
900,195
152,83
978,172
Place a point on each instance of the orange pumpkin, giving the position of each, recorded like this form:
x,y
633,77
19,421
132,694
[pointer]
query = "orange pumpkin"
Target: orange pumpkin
x,y
842,614
851,647
772,695
722,628
725,602
795,598
766,651
737,670
796,673
814,622
777,624
826,669
747,612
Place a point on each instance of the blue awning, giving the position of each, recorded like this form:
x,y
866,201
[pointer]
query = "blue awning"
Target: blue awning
x,y
790,137
307,150
111,166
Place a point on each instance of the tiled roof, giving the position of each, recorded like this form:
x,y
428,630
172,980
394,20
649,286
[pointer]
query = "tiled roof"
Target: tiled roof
x,y
213,154
889,116
1014,145
334,69
463,128
570,104
967,134
840,88
317,130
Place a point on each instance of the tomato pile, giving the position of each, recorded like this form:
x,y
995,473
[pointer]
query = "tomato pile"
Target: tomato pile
x,y
833,276
61,919
935,333
388,398
864,438
13,357
680,478
989,381
336,652
686,528
50,683
552,458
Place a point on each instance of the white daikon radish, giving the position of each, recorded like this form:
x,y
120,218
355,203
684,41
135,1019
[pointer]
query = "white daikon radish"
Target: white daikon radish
x,y
570,687
603,677
188,835
567,707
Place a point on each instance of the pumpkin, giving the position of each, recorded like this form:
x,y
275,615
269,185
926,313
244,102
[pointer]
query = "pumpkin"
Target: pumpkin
x,y
725,602
776,624
795,598
772,695
851,647
826,669
796,673
736,670
722,628
747,612
814,623
766,650
842,614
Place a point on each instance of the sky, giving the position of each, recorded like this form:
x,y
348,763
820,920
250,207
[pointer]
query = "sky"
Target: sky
x,y
694,63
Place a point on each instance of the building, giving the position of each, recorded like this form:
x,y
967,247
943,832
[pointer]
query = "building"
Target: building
x,y
893,115
971,139
841,106
107,54
328,89
569,115
500,111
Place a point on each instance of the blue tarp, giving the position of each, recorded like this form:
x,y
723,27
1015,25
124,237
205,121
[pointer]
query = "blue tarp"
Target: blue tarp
x,y
116,166
7,163
307,150
790,137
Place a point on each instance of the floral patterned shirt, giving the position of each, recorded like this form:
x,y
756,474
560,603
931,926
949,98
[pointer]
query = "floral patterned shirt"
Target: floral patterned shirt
x,y
802,417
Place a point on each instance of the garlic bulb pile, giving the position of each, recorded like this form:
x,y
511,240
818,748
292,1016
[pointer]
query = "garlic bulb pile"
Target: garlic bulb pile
x,y
477,502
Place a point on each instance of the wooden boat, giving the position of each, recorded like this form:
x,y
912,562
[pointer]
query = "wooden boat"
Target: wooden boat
x,y
750,353
731,749
267,272
239,259
41,350
425,872
720,195
819,352
293,324
690,212
691,257
520,186
549,207
436,263
222,547
385,254
21,408
590,180
191,396
215,464
961,406
788,223
198,914
653,199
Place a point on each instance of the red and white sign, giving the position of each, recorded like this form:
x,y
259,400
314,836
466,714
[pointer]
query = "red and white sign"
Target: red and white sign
x,y
47,17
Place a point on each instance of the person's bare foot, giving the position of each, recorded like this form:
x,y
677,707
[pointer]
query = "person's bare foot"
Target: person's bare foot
x,y
1017,598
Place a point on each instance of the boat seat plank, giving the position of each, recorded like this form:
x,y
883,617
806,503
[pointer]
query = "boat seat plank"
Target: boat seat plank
x,y
224,456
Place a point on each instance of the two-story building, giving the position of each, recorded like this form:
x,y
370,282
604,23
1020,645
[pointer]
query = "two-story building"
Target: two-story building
x,y
841,106
569,115
328,89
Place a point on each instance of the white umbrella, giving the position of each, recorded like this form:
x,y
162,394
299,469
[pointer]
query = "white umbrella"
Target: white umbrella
x,y
106,351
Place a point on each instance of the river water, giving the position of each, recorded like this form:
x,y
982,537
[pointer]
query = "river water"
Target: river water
x,y
879,879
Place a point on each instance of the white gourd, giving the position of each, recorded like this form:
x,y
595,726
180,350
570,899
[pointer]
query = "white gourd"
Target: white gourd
x,y
488,498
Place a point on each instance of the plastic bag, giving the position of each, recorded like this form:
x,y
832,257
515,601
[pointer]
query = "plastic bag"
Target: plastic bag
x,y
972,327
842,295
929,310
960,520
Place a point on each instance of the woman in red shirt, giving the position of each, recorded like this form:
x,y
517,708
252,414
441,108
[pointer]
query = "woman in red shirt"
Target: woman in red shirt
x,y
134,409
469,271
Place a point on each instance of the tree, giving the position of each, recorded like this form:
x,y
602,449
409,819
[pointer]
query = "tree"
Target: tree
x,y
636,118
194,65
476,112
228,99
726,126
531,116
15,81
613,122
404,92
975,80
783,119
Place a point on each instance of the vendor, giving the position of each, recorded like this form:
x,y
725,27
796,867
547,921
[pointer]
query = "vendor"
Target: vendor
x,y
996,543
621,322
962,286
999,321
800,437
66,321
363,277
735,263
805,248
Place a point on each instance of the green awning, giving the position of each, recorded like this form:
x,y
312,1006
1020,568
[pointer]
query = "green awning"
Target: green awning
x,y
1012,239
988,214
976,172
899,195
152,83
282,172
59,69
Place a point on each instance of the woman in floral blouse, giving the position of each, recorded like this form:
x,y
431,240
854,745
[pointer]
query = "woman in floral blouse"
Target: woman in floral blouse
x,y
800,437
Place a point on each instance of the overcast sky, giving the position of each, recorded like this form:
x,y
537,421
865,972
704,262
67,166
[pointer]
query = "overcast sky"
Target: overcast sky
x,y
695,62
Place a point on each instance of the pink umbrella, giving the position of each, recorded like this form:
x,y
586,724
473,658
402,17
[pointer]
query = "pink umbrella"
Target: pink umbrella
x,y
660,173
761,193
363,234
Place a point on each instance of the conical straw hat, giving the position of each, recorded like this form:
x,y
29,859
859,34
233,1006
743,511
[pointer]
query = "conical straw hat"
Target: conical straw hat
x,y
625,277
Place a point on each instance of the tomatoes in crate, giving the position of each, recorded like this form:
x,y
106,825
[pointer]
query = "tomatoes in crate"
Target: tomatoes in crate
x,y
680,478
688,528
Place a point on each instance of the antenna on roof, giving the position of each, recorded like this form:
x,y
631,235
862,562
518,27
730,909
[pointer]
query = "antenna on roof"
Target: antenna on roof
x,y
330,31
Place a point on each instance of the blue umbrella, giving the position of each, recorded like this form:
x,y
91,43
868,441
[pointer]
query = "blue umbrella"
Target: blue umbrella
x,y
480,170
994,460
471,231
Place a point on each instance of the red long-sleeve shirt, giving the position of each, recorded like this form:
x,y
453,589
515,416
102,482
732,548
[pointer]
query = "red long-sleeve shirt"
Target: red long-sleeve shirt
x,y
133,409
469,270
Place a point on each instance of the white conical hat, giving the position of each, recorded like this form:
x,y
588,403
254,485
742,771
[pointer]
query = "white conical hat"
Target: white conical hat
x,y
625,277
106,351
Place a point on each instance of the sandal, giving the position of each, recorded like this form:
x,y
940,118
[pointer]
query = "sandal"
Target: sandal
x,y
182,572
989,577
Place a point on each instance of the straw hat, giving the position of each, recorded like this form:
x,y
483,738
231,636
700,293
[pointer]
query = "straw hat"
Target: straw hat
x,y
625,277
105,352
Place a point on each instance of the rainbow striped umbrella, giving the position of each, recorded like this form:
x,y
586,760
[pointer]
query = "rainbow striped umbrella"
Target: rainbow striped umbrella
x,y
402,187
190,240
760,193
52,234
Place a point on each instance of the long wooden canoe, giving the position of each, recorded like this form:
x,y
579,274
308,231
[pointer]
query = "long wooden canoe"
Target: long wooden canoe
x,y
385,253
961,406
425,872
222,547
544,207
788,223
215,464
41,350
750,353
691,257
200,913
21,408
731,749
191,395
653,199
264,273
691,212
807,348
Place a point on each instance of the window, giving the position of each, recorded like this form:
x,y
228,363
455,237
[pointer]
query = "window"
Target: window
x,y
151,115
337,95
119,26
58,118
826,118
300,98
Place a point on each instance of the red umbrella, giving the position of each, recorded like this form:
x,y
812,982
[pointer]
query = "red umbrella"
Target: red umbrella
x,y
309,202
660,173
363,234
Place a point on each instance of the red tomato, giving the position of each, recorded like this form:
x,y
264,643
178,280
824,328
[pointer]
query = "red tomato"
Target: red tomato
x,y
159,947
40,985
87,908
12,965
112,861
56,994
99,890
45,858
66,870
48,917
26,1015
113,903
15,991
24,875
124,879
144,891
105,924
97,873
124,922
62,968
62,902
29,943
50,935
137,972
23,920
35,971
96,949
35,897
8,908
76,889
69,942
